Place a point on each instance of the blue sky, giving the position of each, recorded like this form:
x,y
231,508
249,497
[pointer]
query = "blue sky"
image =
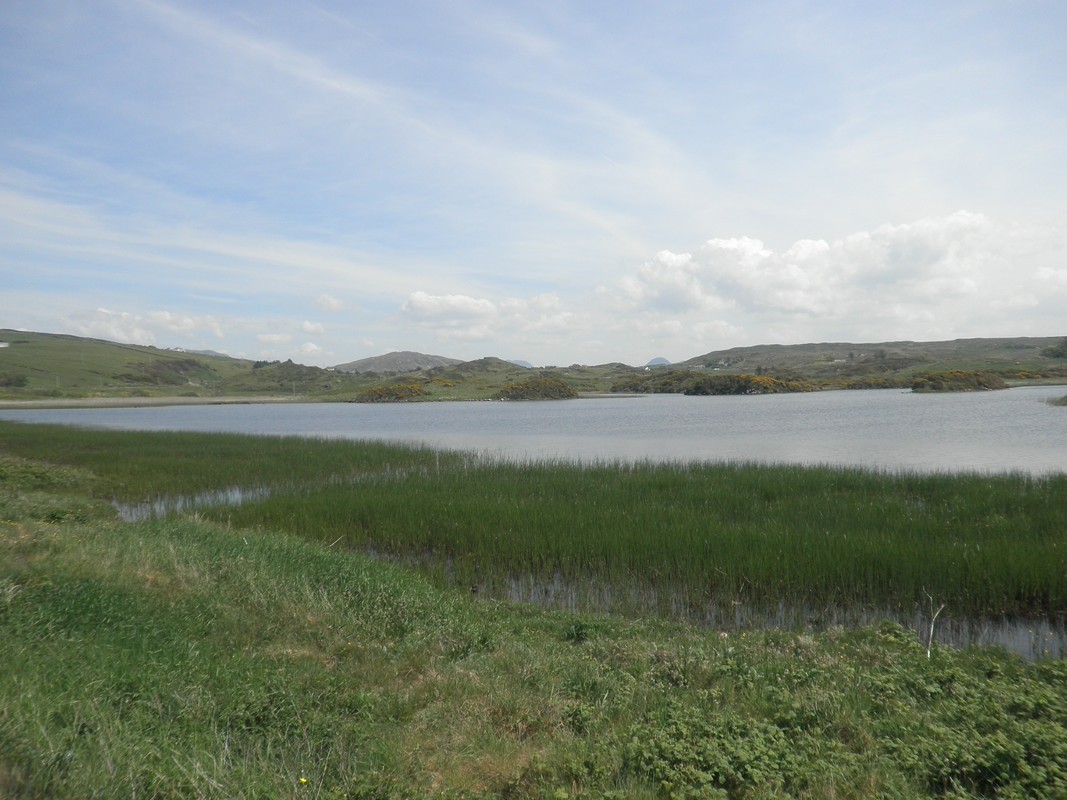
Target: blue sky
x,y
561,182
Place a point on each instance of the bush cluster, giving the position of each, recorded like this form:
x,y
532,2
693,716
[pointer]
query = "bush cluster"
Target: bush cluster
x,y
546,388
957,381
392,394
698,383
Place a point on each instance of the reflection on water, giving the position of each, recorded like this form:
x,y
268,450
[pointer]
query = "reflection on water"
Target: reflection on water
x,y
160,507
1031,638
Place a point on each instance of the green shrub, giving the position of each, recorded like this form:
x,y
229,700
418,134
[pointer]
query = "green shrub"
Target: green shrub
x,y
957,381
546,388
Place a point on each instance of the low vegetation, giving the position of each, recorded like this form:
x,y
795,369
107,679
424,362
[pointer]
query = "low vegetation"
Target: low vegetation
x,y
957,381
392,393
184,658
541,388
700,383
1058,350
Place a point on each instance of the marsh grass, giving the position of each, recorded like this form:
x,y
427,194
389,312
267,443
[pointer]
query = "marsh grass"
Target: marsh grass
x,y
681,537
700,535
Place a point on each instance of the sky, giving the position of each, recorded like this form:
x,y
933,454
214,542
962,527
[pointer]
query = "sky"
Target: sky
x,y
559,181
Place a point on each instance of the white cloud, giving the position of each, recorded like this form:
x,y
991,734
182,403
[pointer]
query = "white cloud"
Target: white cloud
x,y
958,275
465,318
310,349
328,303
274,338
449,308
313,328
144,328
183,323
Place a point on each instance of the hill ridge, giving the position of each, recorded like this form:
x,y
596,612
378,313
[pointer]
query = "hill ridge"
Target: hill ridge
x,y
397,361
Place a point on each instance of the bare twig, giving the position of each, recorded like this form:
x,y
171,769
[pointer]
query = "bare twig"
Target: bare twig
x,y
933,620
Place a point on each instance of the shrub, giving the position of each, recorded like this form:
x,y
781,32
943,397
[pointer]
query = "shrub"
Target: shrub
x,y
546,388
957,381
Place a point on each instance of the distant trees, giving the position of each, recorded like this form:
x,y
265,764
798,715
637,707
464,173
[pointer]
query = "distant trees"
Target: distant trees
x,y
698,383
743,384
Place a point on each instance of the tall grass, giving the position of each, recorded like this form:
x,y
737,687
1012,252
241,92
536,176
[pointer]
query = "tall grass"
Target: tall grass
x,y
702,535
681,537
136,466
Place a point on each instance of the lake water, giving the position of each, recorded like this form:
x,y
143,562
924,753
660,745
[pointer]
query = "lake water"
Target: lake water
x,y
1010,430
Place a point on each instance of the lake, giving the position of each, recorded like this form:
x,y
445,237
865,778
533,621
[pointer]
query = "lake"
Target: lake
x,y
1009,430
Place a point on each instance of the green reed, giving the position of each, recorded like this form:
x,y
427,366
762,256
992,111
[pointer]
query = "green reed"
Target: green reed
x,y
689,535
740,533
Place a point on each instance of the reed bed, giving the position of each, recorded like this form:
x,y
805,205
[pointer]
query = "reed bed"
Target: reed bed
x,y
137,466
677,537
710,534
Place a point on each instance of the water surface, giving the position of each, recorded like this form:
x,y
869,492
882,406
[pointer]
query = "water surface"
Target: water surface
x,y
1010,430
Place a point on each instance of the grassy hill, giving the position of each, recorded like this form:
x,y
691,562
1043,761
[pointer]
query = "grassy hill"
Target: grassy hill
x,y
44,365
402,361
1037,357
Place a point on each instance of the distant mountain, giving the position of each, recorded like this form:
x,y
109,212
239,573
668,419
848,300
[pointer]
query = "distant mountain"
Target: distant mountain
x,y
660,361
518,362
402,361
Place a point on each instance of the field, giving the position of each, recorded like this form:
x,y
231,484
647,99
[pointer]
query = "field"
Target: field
x,y
184,657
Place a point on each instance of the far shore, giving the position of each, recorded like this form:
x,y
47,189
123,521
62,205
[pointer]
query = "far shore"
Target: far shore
x,y
139,402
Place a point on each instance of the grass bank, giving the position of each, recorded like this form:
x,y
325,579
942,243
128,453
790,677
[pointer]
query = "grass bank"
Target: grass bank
x,y
184,658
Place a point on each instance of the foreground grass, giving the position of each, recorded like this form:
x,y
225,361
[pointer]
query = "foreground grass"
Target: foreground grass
x,y
182,658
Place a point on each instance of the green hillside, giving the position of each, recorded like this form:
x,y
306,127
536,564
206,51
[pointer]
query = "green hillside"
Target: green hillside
x,y
491,378
1025,358
45,365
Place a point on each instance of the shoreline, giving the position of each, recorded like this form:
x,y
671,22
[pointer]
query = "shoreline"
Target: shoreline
x,y
147,402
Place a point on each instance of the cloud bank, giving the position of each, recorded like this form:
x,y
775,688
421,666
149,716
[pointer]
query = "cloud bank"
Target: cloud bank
x,y
956,276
